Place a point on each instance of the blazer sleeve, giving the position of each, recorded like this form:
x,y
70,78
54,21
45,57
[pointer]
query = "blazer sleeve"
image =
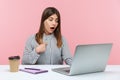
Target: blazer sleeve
x,y
66,54
29,55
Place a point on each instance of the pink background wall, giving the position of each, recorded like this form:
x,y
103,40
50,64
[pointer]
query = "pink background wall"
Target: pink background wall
x,y
83,22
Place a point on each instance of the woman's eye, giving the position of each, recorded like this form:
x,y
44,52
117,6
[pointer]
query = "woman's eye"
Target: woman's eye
x,y
50,19
56,20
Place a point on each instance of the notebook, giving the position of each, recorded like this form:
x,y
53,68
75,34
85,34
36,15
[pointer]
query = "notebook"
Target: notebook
x,y
33,71
87,59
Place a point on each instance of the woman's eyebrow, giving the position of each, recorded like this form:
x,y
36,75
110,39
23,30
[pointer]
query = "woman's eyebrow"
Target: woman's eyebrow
x,y
51,17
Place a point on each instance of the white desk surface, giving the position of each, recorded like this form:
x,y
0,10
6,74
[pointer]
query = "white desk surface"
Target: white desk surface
x,y
112,72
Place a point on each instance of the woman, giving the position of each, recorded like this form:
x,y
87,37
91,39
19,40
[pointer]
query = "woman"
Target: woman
x,y
47,46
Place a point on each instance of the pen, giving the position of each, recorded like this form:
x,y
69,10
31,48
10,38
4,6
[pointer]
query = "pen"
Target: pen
x,y
32,68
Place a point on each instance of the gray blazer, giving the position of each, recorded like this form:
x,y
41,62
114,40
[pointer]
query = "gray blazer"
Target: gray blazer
x,y
52,55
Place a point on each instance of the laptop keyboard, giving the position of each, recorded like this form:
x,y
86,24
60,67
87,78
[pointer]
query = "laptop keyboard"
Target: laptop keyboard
x,y
66,69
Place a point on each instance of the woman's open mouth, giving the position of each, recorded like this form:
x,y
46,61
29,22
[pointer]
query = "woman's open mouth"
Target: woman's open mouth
x,y
52,28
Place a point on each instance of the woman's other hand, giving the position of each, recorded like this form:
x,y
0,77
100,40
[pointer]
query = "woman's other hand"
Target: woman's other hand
x,y
41,48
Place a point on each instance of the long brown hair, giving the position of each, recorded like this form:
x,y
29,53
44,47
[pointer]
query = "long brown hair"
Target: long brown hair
x,y
57,33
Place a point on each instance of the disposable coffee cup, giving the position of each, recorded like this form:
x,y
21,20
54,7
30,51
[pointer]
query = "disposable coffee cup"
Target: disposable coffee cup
x,y
14,63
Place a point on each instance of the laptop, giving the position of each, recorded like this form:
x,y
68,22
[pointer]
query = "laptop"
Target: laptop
x,y
88,58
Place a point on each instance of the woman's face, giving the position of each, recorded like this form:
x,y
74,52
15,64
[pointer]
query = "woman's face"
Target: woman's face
x,y
50,24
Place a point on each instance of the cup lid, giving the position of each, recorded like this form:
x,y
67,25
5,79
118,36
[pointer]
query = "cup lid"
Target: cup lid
x,y
14,57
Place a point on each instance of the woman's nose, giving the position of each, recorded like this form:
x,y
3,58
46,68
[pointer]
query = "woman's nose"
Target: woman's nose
x,y
54,23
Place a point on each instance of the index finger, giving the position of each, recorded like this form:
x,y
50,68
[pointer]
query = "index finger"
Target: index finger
x,y
45,43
